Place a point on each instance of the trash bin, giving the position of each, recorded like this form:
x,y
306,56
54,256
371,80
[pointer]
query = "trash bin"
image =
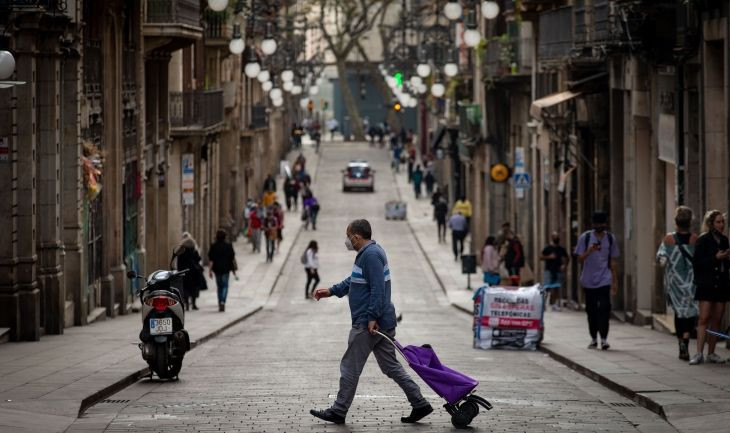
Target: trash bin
x,y
468,264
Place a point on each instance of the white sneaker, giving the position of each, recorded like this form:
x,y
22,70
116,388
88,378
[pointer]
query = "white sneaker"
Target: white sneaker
x,y
714,359
697,359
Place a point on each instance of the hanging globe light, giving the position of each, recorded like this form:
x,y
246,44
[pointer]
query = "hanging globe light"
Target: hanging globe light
x,y
217,5
303,103
490,10
287,75
318,80
268,46
276,93
263,76
415,81
451,69
438,90
252,69
423,70
296,90
266,86
236,45
391,81
277,102
287,86
452,10
422,88
313,90
7,65
472,37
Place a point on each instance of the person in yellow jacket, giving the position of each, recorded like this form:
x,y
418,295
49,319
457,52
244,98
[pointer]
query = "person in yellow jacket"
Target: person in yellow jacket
x,y
463,206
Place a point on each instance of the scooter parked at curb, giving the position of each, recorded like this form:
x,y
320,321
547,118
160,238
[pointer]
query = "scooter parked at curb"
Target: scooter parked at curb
x,y
164,340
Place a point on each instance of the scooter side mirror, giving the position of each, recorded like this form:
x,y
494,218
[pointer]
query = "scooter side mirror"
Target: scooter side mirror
x,y
132,275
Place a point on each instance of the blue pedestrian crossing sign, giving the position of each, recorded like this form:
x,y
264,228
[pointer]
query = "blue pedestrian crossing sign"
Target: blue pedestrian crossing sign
x,y
522,180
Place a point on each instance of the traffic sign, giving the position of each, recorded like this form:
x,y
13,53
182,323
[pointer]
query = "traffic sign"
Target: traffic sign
x,y
522,180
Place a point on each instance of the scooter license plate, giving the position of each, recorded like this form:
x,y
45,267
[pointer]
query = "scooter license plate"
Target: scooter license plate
x,y
161,326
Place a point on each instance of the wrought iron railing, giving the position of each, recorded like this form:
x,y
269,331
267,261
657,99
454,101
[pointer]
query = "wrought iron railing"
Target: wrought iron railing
x,y
173,11
47,5
509,54
592,22
259,116
556,33
217,25
200,109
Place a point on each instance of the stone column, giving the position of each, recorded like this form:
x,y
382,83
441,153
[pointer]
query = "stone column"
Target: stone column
x,y
27,297
141,134
74,269
48,222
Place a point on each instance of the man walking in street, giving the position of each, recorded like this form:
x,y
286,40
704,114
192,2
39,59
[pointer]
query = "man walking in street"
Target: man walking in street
x,y
457,224
222,260
556,260
369,290
597,252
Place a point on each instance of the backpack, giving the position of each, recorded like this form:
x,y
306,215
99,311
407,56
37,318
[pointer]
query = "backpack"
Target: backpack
x,y
303,259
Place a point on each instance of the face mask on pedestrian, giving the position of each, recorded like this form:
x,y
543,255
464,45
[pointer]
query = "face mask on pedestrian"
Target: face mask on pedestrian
x,y
348,244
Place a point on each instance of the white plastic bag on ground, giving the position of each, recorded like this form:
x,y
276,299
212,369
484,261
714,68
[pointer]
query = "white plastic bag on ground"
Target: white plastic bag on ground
x,y
508,317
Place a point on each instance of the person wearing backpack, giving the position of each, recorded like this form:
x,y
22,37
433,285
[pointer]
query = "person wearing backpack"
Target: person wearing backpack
x,y
310,260
675,254
597,251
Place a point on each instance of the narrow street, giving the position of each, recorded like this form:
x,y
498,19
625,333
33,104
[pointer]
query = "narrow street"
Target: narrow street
x,y
266,373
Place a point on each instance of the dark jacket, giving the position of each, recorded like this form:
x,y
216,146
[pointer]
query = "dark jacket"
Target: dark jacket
x,y
710,273
515,257
193,279
222,255
440,210
270,184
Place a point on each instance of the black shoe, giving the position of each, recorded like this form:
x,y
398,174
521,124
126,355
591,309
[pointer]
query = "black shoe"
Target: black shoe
x,y
195,307
328,415
605,345
417,414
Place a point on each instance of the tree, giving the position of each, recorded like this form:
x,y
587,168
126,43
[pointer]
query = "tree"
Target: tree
x,y
342,24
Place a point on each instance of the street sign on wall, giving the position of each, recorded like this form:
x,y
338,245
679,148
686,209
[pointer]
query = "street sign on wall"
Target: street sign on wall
x,y
522,180
188,178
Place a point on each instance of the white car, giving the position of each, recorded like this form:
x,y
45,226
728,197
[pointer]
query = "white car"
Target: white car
x,y
358,175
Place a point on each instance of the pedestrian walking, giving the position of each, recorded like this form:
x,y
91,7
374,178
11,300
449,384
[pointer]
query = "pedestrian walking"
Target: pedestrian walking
x,y
369,292
430,181
712,279
597,252
463,206
556,260
396,158
291,193
271,227
246,229
311,267
676,255
311,209
417,177
255,224
440,210
193,280
491,261
411,160
222,261
279,215
457,224
269,183
514,258
268,199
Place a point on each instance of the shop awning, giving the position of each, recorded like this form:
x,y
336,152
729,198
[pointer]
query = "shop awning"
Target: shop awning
x,y
549,101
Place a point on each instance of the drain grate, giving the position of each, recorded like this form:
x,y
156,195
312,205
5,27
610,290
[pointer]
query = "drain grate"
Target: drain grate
x,y
622,404
112,401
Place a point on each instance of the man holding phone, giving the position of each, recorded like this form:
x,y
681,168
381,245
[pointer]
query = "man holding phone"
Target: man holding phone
x,y
597,252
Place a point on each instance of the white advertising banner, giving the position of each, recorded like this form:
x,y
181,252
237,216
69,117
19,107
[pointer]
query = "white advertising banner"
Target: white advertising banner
x,y
508,317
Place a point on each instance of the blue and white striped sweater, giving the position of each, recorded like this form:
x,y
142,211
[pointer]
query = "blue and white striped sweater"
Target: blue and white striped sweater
x,y
368,288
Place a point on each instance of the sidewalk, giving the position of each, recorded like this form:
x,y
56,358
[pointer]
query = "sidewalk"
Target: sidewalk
x,y
641,365
45,385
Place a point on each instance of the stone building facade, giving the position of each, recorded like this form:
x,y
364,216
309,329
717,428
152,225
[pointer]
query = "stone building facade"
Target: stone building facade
x,y
119,95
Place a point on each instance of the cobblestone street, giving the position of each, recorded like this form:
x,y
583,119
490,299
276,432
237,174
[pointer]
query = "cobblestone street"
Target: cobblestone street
x,y
264,374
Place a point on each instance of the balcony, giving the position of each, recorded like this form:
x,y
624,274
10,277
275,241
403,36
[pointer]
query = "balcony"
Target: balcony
x,y
592,24
196,113
510,54
218,29
171,24
556,34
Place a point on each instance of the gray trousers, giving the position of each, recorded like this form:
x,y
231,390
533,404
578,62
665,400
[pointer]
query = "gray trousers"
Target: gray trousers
x,y
359,345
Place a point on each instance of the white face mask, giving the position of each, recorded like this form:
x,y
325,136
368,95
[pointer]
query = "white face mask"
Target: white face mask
x,y
348,244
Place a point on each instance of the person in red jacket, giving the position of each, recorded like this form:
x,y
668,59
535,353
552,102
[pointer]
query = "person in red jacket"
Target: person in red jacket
x,y
255,223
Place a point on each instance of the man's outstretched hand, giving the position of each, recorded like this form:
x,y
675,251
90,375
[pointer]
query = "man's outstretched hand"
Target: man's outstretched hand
x,y
322,292
373,327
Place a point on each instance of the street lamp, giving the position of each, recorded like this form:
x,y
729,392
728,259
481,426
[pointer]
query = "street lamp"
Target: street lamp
x,y
268,45
415,81
472,37
423,70
296,90
277,102
313,90
453,10
287,75
236,45
438,90
490,9
276,93
7,65
266,86
287,86
263,76
218,5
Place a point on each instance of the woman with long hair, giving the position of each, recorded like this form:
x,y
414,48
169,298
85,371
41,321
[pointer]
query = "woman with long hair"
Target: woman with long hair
x,y
193,279
712,280
311,267
490,261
